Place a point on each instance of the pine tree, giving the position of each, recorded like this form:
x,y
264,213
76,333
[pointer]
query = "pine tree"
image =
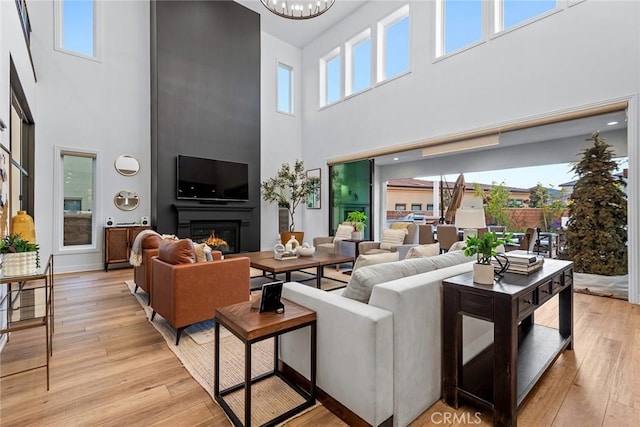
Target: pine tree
x,y
597,228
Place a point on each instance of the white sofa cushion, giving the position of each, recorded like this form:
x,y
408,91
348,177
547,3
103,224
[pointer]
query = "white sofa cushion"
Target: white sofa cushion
x,y
451,258
392,237
432,249
364,279
373,259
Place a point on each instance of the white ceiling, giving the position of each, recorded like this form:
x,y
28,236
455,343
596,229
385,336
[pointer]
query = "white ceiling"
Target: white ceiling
x,y
579,128
301,32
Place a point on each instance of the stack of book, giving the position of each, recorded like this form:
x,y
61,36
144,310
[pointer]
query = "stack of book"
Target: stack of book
x,y
521,263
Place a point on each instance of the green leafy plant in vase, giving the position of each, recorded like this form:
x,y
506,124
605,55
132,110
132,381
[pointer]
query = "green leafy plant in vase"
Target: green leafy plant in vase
x,y
359,221
484,248
19,256
288,188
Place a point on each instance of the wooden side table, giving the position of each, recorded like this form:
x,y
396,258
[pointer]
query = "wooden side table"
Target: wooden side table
x,y
501,376
250,326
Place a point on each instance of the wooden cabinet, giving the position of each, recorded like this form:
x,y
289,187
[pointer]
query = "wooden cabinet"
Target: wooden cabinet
x,y
501,376
118,242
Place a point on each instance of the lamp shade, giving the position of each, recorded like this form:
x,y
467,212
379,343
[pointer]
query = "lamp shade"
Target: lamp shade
x,y
470,218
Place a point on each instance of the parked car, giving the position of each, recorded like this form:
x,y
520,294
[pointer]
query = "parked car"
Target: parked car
x,y
416,217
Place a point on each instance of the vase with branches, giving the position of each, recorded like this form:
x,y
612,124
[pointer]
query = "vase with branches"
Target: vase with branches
x,y
288,188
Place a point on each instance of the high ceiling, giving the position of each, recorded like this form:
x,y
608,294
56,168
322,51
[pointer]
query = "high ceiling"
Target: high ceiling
x,y
301,32
578,128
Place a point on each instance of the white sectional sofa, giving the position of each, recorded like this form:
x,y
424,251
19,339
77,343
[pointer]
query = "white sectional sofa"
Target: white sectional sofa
x,y
381,359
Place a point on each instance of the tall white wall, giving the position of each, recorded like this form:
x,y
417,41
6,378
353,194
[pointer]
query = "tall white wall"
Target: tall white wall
x,y
281,134
584,55
99,105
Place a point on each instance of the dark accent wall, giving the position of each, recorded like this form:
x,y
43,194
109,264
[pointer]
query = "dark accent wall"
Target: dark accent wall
x,y
205,102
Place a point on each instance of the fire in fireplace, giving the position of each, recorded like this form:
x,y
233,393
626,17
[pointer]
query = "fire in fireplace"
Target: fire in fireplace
x,y
223,234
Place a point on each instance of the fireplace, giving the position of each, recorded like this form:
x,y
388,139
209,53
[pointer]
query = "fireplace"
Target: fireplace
x,y
229,231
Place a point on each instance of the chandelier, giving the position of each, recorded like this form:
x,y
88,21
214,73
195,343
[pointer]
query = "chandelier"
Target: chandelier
x,y
298,9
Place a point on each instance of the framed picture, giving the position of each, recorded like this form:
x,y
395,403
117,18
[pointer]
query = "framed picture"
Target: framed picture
x,y
270,300
5,189
313,200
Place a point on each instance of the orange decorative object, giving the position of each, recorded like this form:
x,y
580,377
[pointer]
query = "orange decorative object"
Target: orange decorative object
x,y
22,224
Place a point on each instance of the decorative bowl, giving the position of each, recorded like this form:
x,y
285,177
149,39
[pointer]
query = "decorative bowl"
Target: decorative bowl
x,y
303,251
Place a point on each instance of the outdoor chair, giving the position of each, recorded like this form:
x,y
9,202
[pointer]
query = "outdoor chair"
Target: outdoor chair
x,y
447,236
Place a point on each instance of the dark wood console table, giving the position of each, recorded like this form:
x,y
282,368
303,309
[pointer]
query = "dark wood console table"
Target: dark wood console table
x,y
501,376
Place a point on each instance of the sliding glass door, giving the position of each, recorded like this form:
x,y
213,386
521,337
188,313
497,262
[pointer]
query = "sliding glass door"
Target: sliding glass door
x,y
350,190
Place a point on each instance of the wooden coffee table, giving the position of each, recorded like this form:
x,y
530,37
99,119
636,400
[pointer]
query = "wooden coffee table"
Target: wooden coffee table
x,y
266,262
250,326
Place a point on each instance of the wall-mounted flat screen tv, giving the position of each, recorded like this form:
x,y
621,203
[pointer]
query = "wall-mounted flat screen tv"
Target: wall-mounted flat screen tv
x,y
209,179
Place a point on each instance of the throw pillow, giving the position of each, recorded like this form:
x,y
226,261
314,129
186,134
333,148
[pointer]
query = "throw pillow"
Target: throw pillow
x,y
363,280
421,251
451,258
458,246
399,225
200,251
343,232
392,237
365,260
176,251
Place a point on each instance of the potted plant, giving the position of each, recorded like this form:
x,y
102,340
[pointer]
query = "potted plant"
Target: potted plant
x,y
19,256
288,188
484,248
359,221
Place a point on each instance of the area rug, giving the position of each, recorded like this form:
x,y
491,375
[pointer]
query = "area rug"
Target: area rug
x,y
196,353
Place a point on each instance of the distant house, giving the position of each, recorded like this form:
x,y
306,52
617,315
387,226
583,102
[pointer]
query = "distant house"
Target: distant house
x,y
410,194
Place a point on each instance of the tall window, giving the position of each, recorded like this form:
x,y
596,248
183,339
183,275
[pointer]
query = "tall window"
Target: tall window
x,y
77,199
285,89
513,12
330,76
76,26
393,44
461,24
358,63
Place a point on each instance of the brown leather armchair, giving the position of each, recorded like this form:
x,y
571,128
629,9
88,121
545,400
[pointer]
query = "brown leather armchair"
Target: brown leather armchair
x,y
186,292
142,273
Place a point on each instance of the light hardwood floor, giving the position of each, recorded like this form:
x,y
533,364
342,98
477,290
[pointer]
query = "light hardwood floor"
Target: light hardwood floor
x,y
111,367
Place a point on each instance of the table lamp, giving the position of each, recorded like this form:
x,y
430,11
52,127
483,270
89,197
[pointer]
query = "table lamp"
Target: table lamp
x,y
469,220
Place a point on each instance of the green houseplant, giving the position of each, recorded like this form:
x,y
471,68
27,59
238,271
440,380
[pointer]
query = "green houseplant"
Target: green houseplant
x,y
484,248
288,188
19,256
359,221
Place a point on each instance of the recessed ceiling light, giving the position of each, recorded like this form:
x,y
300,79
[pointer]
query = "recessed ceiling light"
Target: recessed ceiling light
x,y
612,123
395,158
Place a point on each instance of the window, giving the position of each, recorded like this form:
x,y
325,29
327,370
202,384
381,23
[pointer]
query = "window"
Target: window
x,y
330,78
459,24
285,89
393,44
358,63
76,26
510,13
76,200
429,207
24,19
416,206
401,207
